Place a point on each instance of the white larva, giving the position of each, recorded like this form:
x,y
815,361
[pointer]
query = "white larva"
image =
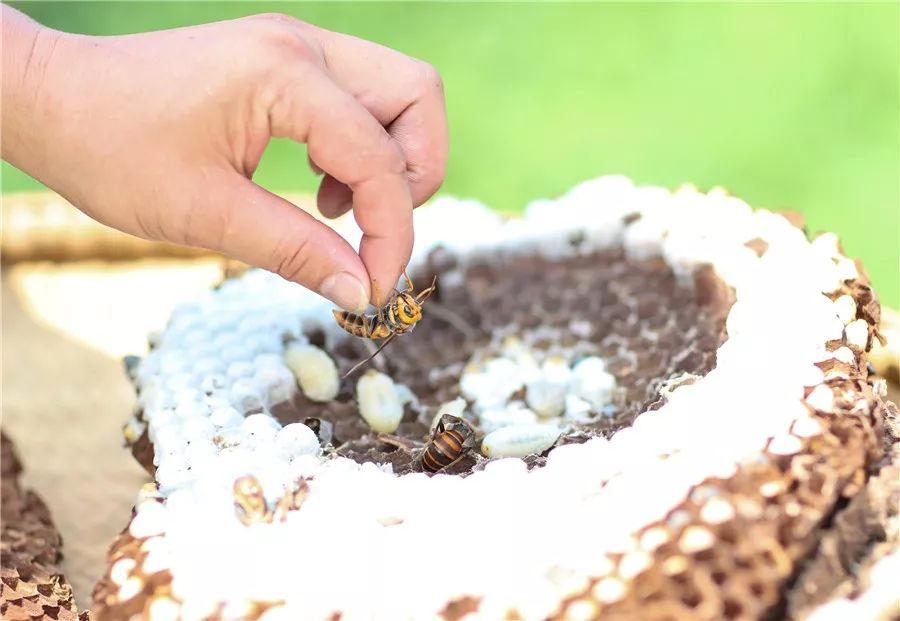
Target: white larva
x,y
315,371
492,384
519,440
296,439
246,395
379,403
578,410
494,419
546,394
454,408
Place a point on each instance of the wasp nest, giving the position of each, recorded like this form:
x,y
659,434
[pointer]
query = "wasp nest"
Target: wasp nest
x,y
32,586
628,404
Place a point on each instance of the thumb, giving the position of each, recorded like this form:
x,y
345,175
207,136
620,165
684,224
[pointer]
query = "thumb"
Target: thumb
x,y
246,222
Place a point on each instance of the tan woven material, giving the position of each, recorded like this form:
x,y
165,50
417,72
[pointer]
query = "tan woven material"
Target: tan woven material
x,y
43,226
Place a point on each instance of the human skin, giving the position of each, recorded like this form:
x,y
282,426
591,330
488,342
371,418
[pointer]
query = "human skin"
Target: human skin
x,y
158,134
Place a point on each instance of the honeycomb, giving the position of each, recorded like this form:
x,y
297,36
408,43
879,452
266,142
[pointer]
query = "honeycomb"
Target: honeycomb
x,y
752,541
633,314
32,586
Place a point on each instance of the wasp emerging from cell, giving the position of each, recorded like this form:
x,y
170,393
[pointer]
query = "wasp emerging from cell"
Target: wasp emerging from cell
x,y
398,315
452,439
323,429
249,501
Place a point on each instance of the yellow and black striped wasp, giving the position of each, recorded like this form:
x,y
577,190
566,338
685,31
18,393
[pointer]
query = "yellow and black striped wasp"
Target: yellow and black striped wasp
x,y
398,315
452,439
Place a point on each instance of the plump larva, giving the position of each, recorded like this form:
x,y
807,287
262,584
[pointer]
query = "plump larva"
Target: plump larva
x,y
519,440
546,394
296,439
578,410
379,404
491,384
510,416
316,372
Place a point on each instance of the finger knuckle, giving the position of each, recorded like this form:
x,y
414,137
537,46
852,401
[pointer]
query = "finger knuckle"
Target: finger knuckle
x,y
431,78
292,259
428,182
392,155
275,17
282,37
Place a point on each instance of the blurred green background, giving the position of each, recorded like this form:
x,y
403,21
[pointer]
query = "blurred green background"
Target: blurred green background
x,y
787,105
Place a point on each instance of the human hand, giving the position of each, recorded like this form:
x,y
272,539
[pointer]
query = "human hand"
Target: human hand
x,y
158,134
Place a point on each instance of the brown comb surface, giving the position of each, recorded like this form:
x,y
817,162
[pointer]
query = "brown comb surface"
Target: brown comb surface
x,y
32,586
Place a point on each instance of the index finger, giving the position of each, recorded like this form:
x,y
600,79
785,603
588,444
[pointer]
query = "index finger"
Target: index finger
x,y
348,143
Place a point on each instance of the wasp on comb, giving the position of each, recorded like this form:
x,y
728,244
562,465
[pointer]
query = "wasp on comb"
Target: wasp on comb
x,y
452,439
399,315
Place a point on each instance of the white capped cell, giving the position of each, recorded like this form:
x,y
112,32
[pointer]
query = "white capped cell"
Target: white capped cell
x,y
246,395
296,439
845,308
208,365
191,409
260,427
197,428
226,417
151,519
239,369
857,334
278,383
214,382
178,381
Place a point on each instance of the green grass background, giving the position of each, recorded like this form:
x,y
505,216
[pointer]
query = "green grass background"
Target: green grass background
x,y
787,105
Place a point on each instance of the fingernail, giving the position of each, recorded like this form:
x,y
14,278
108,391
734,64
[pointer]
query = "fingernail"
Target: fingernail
x,y
345,290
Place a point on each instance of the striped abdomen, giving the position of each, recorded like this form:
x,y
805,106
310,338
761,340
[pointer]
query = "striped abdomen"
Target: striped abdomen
x,y
444,449
363,326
